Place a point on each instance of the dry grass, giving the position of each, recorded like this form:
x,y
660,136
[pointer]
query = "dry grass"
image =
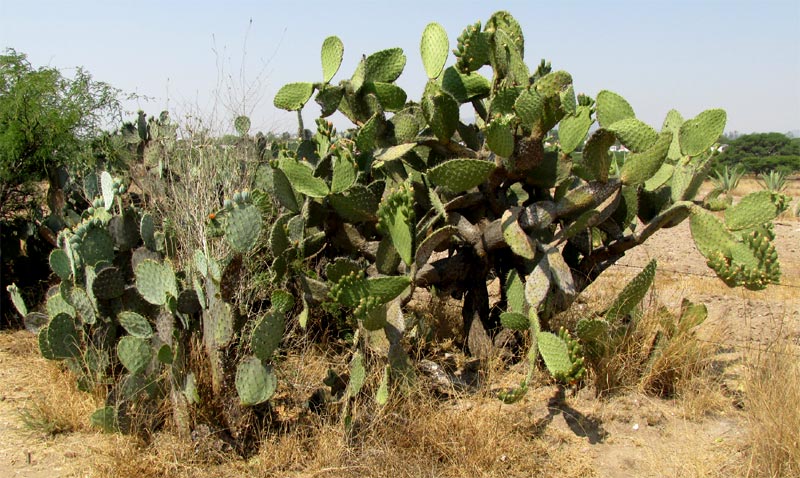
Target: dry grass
x,y
772,394
413,436
55,405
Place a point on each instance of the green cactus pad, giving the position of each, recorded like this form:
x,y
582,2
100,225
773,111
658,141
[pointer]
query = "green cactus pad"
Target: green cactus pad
x,y
406,127
384,66
358,204
503,101
293,96
396,218
472,50
569,103
755,209
83,305
555,353
96,246
267,335
434,48
386,288
560,272
529,108
634,134
329,98
673,123
282,301
458,175
218,324
243,227
464,87
441,112
572,129
156,281
500,138
301,176
284,191
516,238
515,292
107,187
135,324
242,125
332,53
147,230
553,83
134,353
514,321
382,395
639,167
710,235
344,174
56,304
44,344
16,299
633,293
390,96
59,263
394,152
62,337
255,382
664,174
537,285
701,132
596,157
107,283
611,108
105,418
358,374
341,267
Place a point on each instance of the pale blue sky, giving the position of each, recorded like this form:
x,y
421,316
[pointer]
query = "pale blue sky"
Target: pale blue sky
x,y
743,56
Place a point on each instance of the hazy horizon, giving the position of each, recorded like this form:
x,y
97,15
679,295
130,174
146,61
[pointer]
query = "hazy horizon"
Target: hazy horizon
x,y
218,61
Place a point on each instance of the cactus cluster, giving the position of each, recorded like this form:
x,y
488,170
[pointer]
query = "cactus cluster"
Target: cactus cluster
x,y
412,196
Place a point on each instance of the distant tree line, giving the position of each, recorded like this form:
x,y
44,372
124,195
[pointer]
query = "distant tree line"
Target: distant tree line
x,y
762,152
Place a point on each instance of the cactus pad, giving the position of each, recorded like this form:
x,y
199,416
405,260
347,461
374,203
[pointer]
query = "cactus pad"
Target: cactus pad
x,y
267,335
611,108
134,353
514,321
633,293
242,125
16,299
458,175
156,281
572,129
434,48
302,178
385,65
108,283
358,374
396,219
293,96
755,209
59,263
255,382
639,167
701,132
135,324
634,134
500,138
62,337
331,55
243,227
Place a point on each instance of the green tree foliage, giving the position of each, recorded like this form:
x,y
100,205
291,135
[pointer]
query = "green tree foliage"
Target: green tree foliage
x,y
763,152
45,121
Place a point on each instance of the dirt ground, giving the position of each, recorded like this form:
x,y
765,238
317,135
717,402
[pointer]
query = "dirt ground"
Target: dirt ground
x,y
628,435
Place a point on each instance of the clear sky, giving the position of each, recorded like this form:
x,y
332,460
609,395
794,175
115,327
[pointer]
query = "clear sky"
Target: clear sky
x,y
220,59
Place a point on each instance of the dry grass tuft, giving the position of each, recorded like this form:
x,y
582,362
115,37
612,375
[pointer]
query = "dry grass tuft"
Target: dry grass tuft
x,y
772,394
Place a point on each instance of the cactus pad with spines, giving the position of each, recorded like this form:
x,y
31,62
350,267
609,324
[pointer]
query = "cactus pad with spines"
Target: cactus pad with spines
x,y
458,175
396,219
331,54
255,382
156,281
293,96
611,108
243,227
633,293
134,353
701,132
267,334
135,324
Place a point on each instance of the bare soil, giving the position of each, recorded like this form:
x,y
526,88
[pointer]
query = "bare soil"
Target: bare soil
x,y
622,436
